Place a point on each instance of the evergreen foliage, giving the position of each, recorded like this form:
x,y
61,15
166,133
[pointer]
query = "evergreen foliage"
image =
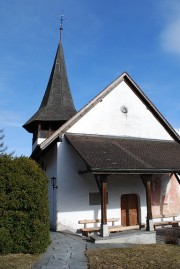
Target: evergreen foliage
x,y
24,215
3,148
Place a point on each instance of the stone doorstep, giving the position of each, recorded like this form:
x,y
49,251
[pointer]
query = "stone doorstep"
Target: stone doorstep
x,y
132,237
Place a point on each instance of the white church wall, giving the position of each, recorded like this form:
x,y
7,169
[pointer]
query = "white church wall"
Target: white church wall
x,y
74,188
49,165
107,118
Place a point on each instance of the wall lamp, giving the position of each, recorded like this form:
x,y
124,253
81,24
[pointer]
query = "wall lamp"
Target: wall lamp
x,y
54,182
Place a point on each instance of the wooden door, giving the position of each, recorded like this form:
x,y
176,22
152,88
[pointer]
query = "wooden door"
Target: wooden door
x,y
129,210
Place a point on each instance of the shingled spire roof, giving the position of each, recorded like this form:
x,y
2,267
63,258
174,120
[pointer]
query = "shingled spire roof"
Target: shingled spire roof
x,y
57,104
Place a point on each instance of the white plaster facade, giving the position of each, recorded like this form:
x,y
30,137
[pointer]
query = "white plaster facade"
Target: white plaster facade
x,y
49,165
69,203
106,118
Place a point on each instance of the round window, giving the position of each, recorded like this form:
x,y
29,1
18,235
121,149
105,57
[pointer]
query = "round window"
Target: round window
x,y
124,109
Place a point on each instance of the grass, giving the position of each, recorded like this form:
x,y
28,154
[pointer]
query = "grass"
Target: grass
x,y
157,256
18,261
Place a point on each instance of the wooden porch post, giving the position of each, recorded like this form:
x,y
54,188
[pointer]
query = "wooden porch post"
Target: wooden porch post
x,y
103,200
148,199
104,226
147,183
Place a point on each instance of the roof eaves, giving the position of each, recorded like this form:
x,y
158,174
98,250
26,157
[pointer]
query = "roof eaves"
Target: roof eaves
x,y
133,171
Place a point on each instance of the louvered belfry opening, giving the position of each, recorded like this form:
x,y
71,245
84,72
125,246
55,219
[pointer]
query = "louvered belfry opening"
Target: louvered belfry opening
x,y
46,129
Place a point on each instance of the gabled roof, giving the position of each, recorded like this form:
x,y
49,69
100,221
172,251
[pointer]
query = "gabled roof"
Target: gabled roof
x,y
106,154
124,77
57,103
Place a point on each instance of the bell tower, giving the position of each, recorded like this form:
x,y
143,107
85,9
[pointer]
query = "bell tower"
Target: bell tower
x,y
57,105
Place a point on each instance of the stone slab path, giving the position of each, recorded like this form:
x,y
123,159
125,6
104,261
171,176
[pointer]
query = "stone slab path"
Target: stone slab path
x,y
67,251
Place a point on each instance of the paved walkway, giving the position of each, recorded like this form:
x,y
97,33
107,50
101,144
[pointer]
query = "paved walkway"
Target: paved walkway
x,y
67,251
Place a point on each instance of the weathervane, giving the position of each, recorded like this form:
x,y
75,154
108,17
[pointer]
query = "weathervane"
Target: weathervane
x,y
62,19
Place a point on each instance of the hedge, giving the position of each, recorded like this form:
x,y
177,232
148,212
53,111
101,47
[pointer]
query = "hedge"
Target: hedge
x,y
24,214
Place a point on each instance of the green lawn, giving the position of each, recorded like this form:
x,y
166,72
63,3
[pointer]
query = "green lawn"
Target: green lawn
x,y
157,256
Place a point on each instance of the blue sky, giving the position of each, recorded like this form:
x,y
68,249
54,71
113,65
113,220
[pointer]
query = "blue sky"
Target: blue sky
x,y
101,40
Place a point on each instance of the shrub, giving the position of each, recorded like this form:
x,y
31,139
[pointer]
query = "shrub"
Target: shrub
x,y
24,215
6,242
171,236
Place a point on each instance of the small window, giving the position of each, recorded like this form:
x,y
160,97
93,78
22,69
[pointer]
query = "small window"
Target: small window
x,y
95,198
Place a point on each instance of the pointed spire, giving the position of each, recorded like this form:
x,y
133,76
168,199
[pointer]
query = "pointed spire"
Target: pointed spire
x,y
57,104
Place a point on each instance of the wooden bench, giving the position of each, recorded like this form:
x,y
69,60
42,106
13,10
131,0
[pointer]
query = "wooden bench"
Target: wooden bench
x,y
163,223
123,228
86,230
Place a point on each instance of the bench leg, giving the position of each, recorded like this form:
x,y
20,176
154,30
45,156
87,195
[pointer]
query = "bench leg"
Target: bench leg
x,y
84,233
175,225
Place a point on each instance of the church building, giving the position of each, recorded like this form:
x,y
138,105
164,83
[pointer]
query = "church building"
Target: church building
x,y
116,158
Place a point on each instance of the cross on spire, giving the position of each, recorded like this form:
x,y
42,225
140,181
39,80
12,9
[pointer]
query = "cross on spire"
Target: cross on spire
x,y
62,19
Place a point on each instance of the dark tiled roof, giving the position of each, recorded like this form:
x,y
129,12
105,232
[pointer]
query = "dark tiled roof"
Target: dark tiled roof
x,y
115,154
57,103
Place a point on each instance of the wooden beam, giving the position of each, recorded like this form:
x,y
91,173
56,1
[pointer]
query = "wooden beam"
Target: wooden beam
x,y
39,131
98,183
103,180
39,126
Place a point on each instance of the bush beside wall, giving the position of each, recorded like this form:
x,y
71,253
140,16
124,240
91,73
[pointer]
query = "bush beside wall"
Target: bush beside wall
x,y
24,214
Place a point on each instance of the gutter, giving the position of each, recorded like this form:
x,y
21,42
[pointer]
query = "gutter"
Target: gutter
x,y
109,171
133,171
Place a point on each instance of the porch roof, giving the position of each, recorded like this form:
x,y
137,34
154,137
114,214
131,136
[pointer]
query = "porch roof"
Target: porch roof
x,y
106,154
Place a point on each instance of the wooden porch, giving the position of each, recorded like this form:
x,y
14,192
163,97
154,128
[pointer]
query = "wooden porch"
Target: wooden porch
x,y
105,156
151,222
105,230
